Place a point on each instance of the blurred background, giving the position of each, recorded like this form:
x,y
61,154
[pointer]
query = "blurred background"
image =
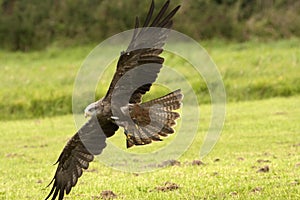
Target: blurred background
x,y
254,43
32,24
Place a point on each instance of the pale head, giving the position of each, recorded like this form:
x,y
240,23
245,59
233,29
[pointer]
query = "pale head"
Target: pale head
x,y
91,109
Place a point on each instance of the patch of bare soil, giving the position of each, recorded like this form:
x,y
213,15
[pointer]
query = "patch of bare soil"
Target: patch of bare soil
x,y
92,170
39,181
197,162
165,163
215,174
234,193
167,187
240,158
256,189
264,169
13,155
108,194
35,146
170,163
295,182
263,161
280,113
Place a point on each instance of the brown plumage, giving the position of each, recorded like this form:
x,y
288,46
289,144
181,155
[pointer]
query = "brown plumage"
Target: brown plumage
x,y
143,123
153,119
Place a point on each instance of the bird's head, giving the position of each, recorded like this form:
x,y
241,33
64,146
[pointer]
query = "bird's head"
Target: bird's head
x,y
91,109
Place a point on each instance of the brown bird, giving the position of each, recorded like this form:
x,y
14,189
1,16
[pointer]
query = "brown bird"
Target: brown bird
x,y
122,105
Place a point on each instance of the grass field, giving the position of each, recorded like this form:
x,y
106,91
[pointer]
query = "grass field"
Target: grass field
x,y
256,134
39,84
257,156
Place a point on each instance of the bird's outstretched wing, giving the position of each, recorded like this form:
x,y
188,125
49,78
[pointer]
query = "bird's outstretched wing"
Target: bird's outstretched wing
x,y
77,154
142,53
143,50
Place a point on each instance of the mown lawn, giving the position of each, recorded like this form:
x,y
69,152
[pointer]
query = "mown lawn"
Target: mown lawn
x,y
257,156
40,83
256,134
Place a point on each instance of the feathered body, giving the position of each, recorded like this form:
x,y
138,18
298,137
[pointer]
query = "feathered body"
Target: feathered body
x,y
122,105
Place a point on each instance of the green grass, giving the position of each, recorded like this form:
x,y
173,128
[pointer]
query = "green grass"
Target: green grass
x,y
261,129
36,84
262,123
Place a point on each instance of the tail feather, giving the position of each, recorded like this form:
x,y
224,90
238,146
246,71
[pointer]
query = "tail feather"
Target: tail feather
x,y
168,115
153,135
153,119
171,101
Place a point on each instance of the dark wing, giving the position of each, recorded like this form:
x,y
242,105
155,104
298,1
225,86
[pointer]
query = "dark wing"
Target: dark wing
x,y
142,53
77,154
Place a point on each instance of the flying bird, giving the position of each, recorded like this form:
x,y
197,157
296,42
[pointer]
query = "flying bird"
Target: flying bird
x,y
122,106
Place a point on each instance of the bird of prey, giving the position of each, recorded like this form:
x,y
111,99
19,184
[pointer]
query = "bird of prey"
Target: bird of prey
x,y
122,106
